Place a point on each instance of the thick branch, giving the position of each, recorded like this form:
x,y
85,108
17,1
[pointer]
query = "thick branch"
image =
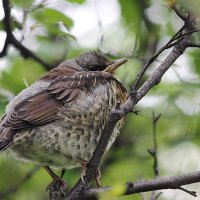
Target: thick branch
x,y
174,182
118,113
10,39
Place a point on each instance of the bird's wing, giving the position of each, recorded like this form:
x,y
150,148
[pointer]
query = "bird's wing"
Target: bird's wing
x,y
69,87
43,107
32,111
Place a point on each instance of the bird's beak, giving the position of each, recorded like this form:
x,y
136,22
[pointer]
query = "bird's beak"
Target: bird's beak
x,y
117,63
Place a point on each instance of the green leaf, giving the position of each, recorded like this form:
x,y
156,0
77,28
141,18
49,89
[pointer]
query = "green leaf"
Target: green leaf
x,y
14,77
131,13
52,51
77,1
50,17
23,4
66,35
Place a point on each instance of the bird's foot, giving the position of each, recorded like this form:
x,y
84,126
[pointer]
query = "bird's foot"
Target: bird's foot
x,y
58,185
97,177
83,168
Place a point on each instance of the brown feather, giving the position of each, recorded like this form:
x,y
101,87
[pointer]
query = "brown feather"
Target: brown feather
x,y
42,108
6,137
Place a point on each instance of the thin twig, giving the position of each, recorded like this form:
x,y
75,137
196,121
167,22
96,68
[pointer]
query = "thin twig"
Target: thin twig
x,y
153,58
158,195
193,193
176,39
153,152
193,44
155,149
189,32
10,39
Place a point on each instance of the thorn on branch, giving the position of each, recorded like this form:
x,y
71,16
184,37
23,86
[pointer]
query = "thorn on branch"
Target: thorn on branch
x,y
136,112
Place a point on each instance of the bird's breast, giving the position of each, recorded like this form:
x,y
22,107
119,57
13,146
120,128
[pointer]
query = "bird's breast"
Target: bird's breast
x,y
77,132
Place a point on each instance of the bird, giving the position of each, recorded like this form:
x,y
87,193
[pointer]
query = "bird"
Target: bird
x,y
57,121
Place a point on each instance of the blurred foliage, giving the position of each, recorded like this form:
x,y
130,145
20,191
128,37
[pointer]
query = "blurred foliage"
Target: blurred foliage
x,y
47,29
23,4
19,72
49,17
77,1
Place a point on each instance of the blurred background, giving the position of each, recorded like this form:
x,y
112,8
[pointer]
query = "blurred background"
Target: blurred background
x,y
56,30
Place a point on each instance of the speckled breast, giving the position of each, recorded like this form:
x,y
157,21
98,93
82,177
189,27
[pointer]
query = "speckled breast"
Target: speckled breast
x,y
75,135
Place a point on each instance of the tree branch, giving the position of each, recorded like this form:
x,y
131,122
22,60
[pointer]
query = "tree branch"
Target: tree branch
x,y
117,114
183,16
173,182
193,44
153,152
169,44
10,39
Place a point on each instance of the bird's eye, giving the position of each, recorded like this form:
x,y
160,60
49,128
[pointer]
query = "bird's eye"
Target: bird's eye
x,y
94,68
97,68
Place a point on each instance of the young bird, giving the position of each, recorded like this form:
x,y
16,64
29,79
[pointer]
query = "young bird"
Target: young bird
x,y
58,120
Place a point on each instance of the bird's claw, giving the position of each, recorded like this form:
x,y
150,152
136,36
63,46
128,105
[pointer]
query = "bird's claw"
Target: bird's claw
x,y
84,169
97,178
57,185
83,173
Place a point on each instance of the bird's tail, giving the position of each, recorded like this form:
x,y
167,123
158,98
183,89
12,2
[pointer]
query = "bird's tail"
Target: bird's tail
x,y
6,137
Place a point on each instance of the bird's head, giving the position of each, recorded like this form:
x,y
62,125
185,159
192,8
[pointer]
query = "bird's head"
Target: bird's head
x,y
97,61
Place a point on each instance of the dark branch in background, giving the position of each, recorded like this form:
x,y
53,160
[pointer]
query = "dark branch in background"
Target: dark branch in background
x,y
14,189
10,39
153,152
81,188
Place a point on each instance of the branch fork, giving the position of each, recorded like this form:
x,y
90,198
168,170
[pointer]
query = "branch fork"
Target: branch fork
x,y
179,42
